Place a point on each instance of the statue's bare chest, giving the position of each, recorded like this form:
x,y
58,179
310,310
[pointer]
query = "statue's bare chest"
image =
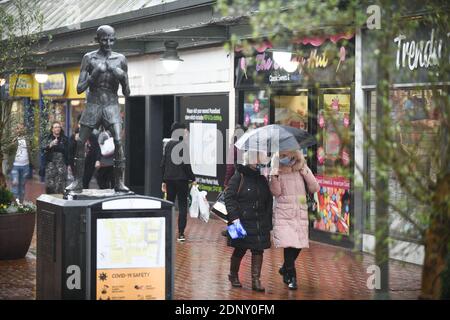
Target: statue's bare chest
x,y
106,64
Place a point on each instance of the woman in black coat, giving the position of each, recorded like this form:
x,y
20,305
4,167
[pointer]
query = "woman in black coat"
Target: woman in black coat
x,y
248,199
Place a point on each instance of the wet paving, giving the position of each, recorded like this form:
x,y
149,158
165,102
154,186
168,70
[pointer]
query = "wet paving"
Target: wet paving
x,y
202,265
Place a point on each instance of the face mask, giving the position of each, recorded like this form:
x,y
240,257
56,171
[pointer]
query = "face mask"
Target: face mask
x,y
286,161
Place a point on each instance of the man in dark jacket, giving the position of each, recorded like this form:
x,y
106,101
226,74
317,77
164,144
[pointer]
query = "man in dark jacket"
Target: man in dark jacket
x,y
177,174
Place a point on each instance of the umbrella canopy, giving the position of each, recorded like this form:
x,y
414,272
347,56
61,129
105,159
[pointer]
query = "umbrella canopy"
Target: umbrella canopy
x,y
304,139
274,138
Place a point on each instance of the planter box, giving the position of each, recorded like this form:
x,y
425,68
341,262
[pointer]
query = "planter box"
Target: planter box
x,y
16,232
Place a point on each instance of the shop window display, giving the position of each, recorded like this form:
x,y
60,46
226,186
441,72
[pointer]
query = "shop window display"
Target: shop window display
x,y
333,163
76,108
417,114
292,110
57,112
256,109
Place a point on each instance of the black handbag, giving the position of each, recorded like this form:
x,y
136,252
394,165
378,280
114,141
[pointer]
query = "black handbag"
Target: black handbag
x,y
219,208
311,203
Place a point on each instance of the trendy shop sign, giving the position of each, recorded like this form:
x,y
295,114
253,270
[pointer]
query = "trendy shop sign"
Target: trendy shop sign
x,y
414,53
417,53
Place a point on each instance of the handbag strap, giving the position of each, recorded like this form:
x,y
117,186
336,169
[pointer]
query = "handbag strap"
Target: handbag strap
x,y
308,194
240,184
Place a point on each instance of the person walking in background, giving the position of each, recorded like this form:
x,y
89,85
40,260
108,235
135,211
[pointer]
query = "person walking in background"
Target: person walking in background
x,y
56,159
19,159
249,201
92,154
176,177
290,181
105,174
232,156
232,161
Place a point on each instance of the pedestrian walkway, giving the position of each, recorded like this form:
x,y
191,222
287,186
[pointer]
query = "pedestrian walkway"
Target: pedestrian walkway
x,y
202,262
323,271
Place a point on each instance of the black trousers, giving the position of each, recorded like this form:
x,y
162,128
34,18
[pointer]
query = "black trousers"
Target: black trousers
x,y
240,252
105,177
179,189
89,169
290,255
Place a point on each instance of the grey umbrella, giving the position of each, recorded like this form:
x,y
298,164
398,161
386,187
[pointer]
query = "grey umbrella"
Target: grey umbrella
x,y
303,137
274,138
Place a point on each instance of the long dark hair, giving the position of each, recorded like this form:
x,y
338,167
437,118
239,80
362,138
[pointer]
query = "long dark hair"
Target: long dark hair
x,y
51,128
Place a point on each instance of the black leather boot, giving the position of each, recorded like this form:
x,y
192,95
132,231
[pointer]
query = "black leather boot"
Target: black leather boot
x,y
119,168
77,184
283,272
234,272
257,260
292,274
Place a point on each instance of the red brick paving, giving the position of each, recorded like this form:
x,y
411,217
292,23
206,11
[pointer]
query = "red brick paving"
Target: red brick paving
x,y
323,271
202,262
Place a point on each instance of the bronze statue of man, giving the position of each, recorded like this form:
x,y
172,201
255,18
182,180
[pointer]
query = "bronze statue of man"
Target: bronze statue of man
x,y
101,73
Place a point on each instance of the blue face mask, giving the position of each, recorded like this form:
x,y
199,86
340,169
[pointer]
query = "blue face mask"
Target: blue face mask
x,y
286,161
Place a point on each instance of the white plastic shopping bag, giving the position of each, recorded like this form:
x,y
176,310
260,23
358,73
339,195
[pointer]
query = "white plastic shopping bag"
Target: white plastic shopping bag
x,y
203,205
193,208
108,147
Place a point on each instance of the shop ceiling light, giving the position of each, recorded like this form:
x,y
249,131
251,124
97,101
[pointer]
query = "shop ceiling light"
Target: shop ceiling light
x,y
2,82
170,58
282,57
290,66
41,77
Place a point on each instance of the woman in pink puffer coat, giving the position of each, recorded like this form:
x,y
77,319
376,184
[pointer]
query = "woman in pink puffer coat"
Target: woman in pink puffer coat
x,y
289,181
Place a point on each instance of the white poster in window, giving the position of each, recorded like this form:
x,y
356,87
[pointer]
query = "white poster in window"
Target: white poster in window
x,y
203,148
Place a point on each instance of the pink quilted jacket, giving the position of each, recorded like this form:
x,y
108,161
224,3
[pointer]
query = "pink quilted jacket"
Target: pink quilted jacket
x,y
290,215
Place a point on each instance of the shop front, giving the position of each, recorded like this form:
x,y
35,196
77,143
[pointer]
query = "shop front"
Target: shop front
x,y
58,94
207,119
19,88
200,94
316,93
416,94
